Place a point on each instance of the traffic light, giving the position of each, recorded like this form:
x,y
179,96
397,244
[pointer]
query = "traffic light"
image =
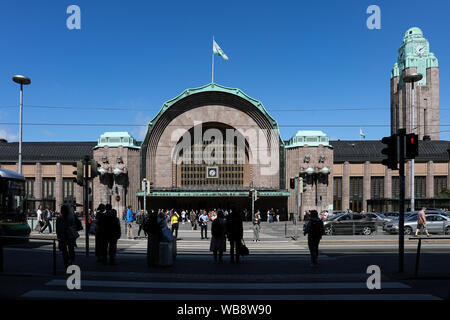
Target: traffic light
x,y
391,151
292,183
79,172
94,168
412,146
301,186
146,186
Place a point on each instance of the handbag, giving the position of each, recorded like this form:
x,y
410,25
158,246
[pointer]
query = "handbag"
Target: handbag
x,y
242,249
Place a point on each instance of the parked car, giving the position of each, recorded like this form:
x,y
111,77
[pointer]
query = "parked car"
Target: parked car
x,y
436,223
391,215
379,218
349,223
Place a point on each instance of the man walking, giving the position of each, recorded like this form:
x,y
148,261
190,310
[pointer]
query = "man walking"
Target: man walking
x,y
315,230
129,223
47,216
203,220
422,222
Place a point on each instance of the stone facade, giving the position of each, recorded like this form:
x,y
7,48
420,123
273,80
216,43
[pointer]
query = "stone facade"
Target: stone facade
x,y
415,57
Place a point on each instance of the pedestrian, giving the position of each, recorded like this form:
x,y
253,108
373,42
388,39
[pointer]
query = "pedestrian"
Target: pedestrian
x,y
235,232
315,230
47,217
140,220
40,218
152,227
98,237
183,216
203,221
422,222
307,216
174,220
193,218
129,223
108,229
218,236
256,226
67,233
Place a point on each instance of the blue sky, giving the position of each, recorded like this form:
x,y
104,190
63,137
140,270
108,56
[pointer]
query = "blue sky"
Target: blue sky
x,y
135,55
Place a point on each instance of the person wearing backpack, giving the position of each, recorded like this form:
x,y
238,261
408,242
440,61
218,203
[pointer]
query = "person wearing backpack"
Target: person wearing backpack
x,y
315,230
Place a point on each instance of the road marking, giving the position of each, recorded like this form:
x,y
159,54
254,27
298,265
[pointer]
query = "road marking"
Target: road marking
x,y
228,286
237,277
57,294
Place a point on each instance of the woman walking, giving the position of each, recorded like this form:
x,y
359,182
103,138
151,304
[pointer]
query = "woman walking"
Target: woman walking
x,y
66,230
218,240
256,226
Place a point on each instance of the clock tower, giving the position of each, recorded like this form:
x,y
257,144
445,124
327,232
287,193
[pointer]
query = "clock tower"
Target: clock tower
x,y
414,56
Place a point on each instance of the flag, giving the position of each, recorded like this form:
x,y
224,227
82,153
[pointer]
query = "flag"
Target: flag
x,y
217,50
361,133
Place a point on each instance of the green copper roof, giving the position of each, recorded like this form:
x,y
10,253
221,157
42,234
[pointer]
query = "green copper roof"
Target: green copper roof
x,y
116,139
312,138
214,87
414,52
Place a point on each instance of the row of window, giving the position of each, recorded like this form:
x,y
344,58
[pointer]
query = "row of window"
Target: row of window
x,y
48,188
212,182
203,169
377,187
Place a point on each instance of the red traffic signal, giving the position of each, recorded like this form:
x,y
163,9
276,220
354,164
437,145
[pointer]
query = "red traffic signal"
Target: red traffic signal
x,y
412,146
292,183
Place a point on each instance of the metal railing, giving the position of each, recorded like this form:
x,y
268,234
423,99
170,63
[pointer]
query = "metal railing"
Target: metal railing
x,y
419,245
2,244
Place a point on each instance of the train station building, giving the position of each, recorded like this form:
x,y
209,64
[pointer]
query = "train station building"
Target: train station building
x,y
209,146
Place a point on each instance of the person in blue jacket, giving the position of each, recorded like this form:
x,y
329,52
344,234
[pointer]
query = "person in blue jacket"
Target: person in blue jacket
x,y
129,223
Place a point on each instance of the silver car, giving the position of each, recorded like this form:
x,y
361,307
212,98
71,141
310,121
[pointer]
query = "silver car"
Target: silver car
x,y
436,223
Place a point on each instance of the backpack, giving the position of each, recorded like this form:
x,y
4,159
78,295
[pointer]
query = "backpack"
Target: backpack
x,y
316,229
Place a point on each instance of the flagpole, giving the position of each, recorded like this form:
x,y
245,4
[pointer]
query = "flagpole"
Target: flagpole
x,y
212,75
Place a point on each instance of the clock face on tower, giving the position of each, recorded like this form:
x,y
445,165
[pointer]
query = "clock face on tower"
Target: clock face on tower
x,y
211,172
420,49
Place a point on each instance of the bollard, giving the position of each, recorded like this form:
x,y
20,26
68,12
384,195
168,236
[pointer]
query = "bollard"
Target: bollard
x,y
1,254
54,257
418,257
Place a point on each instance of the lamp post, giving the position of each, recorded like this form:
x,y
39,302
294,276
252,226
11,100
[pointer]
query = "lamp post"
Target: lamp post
x,y
411,78
22,80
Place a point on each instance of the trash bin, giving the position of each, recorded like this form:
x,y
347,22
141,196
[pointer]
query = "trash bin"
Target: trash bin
x,y
166,253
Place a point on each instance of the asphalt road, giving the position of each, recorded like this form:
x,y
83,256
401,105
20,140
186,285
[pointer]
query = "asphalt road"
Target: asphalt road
x,y
278,268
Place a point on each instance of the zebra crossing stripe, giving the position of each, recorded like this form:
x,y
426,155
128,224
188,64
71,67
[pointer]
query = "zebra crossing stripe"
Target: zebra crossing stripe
x,y
228,286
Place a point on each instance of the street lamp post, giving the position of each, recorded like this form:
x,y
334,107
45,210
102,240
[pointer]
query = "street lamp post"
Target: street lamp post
x,y
22,80
411,78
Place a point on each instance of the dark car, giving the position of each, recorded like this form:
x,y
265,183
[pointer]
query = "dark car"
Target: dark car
x,y
349,223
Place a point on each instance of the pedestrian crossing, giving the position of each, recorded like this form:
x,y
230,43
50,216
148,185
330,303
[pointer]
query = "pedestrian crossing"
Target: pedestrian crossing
x,y
232,287
190,242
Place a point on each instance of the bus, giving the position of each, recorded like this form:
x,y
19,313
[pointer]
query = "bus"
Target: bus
x,y
13,221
